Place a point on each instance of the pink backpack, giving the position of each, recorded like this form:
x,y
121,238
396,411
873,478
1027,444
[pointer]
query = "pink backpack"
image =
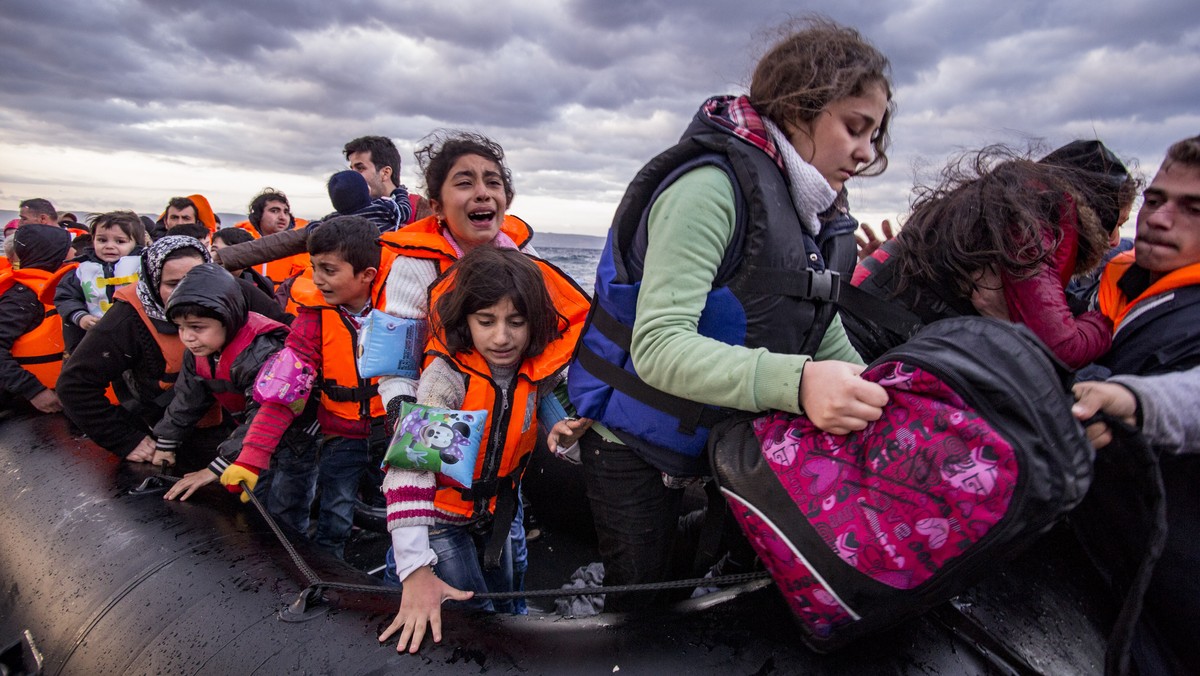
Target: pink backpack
x,y
977,453
284,379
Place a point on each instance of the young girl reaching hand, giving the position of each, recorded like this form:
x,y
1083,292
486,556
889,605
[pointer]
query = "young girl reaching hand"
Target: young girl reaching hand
x,y
497,343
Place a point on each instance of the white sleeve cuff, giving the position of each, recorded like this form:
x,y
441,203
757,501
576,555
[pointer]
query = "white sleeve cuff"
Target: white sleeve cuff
x,y
410,545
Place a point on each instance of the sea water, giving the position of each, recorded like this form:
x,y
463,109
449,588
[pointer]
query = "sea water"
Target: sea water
x,y
580,264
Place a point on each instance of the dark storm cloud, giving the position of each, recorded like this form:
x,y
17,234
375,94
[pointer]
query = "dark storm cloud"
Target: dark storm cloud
x,y
579,92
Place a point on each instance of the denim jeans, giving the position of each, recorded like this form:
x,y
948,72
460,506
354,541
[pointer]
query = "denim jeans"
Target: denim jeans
x,y
341,465
637,520
459,553
293,482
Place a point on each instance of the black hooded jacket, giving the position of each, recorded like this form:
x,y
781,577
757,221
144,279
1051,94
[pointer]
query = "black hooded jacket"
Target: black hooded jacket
x,y
120,350
212,287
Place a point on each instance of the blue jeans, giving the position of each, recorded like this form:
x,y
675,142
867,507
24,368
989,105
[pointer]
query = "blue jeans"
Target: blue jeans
x,y
339,470
293,482
459,553
517,539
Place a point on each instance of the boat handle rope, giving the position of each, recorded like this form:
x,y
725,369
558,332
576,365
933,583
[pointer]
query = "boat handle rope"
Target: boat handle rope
x,y
315,583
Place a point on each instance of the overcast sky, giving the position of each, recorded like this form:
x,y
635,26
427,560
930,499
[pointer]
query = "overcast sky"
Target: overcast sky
x,y
123,104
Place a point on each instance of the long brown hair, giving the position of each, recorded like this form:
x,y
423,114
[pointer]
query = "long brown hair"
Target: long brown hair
x,y
816,62
991,210
485,276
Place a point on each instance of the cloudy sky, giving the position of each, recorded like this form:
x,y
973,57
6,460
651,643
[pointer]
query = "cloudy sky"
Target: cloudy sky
x,y
123,104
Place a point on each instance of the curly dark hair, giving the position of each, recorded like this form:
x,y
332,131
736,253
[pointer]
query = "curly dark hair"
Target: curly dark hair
x,y
483,277
443,148
816,62
992,210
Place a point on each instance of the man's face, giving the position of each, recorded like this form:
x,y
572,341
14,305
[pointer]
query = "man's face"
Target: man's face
x,y
276,217
180,216
1168,225
28,216
376,179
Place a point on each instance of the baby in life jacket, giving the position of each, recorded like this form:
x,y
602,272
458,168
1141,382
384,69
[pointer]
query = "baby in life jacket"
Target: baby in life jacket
x,y
111,262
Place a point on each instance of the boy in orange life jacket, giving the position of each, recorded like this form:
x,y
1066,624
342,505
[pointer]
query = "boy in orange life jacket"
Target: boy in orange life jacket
x,y
349,270
31,344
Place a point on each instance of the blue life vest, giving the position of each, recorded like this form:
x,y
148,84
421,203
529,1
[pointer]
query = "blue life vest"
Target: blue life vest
x,y
772,290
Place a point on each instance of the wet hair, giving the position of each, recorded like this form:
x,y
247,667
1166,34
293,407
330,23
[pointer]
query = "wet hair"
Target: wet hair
x,y
259,203
383,153
354,238
813,64
485,276
40,207
991,209
232,236
443,148
69,216
181,203
1185,152
198,230
177,312
125,221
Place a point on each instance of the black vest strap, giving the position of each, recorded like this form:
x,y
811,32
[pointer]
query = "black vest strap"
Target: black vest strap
x,y
690,414
341,393
807,284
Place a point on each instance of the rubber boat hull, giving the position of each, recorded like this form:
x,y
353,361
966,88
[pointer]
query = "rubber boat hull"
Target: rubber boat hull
x,y
106,581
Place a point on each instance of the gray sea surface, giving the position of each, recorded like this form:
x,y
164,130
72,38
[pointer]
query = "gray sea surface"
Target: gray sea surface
x,y
580,264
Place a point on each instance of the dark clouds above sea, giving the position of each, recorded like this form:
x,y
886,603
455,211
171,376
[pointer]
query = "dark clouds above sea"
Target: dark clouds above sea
x,y
579,93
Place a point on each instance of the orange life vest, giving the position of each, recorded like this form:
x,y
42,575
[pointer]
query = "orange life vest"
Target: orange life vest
x,y
1112,300
344,392
172,351
510,435
424,239
40,351
281,268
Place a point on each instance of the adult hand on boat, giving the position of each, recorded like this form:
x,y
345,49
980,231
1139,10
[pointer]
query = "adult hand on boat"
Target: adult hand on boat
x,y
867,245
143,452
1092,397
836,399
46,401
421,605
190,482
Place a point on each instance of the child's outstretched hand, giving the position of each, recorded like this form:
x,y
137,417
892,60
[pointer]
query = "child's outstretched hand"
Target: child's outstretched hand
x,y
566,433
421,605
184,488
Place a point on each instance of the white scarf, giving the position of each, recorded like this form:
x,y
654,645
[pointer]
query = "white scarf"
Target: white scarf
x,y
811,194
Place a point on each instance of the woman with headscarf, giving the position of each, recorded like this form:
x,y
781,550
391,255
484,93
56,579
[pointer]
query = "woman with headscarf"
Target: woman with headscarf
x,y
137,350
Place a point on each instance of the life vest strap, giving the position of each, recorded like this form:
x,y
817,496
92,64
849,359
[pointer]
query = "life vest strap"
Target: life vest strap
x,y
39,359
343,394
807,284
689,413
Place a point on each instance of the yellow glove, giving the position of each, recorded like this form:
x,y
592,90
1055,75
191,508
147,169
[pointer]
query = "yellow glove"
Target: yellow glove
x,y
235,474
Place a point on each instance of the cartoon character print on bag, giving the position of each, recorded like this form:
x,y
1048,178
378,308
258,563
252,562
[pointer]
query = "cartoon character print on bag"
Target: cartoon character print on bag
x,y
905,496
445,437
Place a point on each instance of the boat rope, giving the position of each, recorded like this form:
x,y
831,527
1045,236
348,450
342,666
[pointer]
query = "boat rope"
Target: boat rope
x,y
315,583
